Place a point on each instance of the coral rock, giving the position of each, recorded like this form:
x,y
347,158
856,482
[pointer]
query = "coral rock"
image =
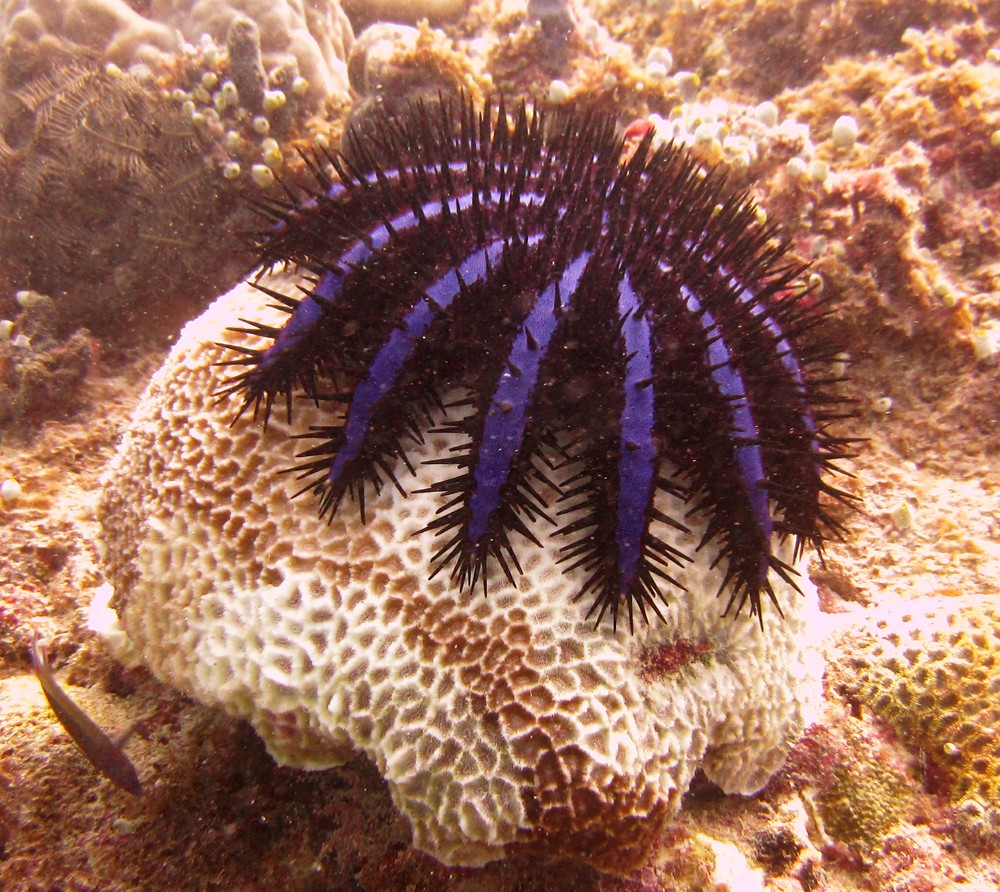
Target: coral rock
x,y
101,172
363,11
316,34
501,723
930,667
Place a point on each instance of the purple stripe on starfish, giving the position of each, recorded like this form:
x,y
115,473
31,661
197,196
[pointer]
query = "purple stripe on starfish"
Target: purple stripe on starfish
x,y
379,236
393,176
307,316
785,353
390,360
637,452
748,454
304,320
507,416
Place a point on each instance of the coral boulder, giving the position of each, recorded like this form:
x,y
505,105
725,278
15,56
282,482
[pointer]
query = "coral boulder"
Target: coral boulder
x,y
502,722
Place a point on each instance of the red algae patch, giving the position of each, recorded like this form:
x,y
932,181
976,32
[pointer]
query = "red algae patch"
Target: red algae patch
x,y
672,657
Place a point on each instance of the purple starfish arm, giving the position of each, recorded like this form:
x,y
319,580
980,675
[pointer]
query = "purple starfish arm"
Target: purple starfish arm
x,y
637,453
507,418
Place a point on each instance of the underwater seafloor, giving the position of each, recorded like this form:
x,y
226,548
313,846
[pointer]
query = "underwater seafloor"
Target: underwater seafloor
x,y
124,174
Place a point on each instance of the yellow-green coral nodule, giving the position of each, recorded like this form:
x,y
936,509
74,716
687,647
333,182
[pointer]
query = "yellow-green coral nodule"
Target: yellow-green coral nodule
x,y
862,803
931,668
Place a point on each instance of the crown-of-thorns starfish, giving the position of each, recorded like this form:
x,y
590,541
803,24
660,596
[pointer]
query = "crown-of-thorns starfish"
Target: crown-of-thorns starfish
x,y
616,328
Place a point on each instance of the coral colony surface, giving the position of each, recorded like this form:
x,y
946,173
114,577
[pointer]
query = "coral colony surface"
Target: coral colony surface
x,y
475,360
596,489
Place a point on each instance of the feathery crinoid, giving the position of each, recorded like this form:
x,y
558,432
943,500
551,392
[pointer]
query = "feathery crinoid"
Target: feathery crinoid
x,y
618,328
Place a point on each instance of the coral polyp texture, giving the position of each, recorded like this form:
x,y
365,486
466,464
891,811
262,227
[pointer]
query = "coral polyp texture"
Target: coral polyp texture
x,y
617,330
930,668
538,371
501,723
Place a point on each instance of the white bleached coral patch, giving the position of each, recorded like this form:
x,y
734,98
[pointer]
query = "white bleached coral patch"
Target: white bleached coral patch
x,y
499,722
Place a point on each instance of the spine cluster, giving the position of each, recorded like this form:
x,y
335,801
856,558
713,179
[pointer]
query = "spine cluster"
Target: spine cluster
x,y
617,329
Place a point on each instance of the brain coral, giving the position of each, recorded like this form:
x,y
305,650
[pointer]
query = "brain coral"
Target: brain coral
x,y
500,723
931,667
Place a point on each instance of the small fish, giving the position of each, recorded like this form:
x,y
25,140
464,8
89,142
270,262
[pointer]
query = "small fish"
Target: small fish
x,y
104,752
